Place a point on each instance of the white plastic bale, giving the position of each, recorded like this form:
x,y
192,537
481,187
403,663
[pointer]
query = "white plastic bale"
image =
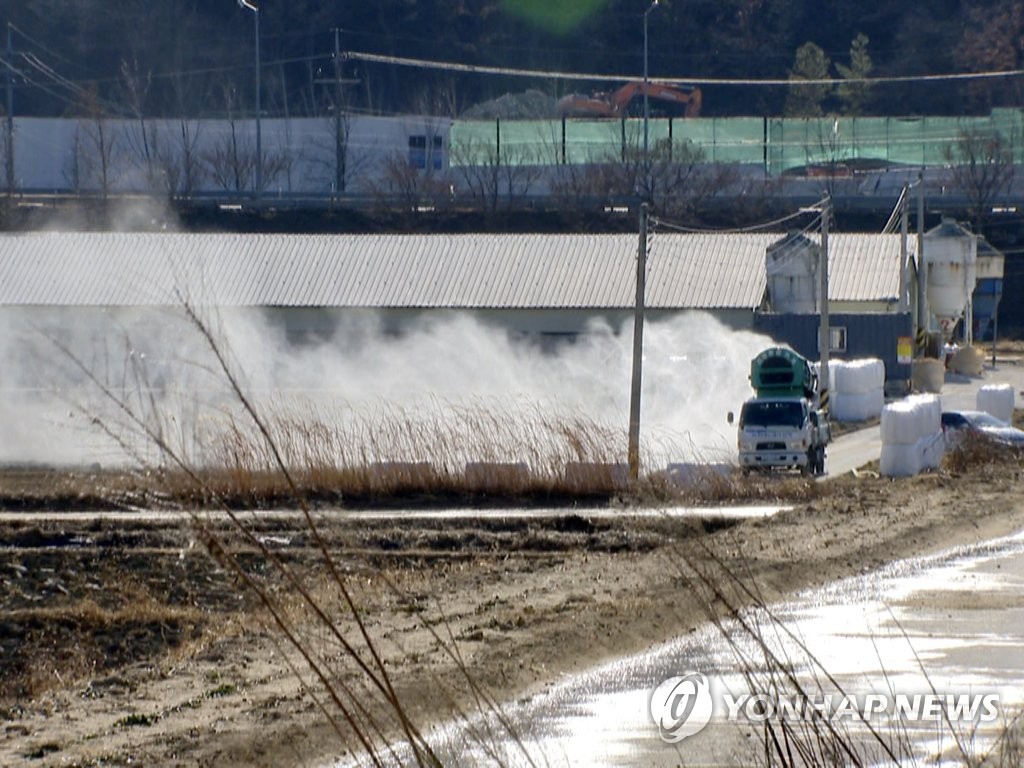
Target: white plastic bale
x,y
998,400
932,448
900,459
931,409
877,374
847,407
858,377
816,370
836,371
901,423
934,423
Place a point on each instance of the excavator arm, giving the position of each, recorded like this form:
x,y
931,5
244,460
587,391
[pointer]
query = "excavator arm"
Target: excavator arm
x,y
617,103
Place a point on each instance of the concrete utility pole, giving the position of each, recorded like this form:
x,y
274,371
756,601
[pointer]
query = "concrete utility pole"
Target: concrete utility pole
x,y
824,333
647,111
259,108
904,302
9,138
339,145
922,274
638,348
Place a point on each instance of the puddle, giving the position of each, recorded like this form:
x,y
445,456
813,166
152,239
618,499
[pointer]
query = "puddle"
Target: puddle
x,y
597,513
950,624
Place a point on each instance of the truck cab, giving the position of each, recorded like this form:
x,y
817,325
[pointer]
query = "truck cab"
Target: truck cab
x,y
782,432
782,426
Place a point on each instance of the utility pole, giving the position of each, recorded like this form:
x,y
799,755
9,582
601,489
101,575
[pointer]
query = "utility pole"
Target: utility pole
x,y
824,334
904,303
339,145
259,109
9,138
638,348
647,111
922,274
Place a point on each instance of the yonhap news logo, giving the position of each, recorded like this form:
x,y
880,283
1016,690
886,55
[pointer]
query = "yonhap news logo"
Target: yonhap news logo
x,y
682,706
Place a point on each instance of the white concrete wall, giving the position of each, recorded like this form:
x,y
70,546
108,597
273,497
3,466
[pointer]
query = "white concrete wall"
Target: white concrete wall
x,y
54,155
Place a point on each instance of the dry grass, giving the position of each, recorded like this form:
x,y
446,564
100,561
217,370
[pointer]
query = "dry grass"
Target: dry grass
x,y
715,485
443,449
50,646
326,642
976,452
260,454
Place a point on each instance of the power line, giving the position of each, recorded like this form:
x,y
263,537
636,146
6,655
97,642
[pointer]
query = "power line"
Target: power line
x,y
737,231
452,66
42,46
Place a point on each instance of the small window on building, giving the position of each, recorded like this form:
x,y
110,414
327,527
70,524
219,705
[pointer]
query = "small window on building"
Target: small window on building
x,y
421,158
837,339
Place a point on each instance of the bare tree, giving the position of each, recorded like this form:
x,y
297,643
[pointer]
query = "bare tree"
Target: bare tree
x,y
141,138
578,186
982,166
95,148
410,188
673,175
231,161
828,153
8,156
337,167
181,162
228,163
494,174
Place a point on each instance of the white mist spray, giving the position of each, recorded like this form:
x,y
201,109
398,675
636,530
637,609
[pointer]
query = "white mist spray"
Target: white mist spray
x,y
695,371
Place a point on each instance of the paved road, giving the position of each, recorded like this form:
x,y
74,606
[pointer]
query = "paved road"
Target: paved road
x,y
855,449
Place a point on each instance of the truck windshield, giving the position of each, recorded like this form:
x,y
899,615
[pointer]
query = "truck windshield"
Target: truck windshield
x,y
772,414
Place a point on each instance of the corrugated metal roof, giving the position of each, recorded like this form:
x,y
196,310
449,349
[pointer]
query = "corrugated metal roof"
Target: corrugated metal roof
x,y
454,271
864,267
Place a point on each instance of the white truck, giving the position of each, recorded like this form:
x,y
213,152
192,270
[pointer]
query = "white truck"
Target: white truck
x,y
783,425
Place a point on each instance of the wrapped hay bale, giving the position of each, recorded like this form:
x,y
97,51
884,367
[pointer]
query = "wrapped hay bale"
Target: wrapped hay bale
x,y
931,413
846,407
901,424
858,391
967,361
900,459
928,374
911,436
858,377
932,449
998,400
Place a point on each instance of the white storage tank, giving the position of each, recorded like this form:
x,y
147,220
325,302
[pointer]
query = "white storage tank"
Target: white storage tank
x,y
951,255
791,266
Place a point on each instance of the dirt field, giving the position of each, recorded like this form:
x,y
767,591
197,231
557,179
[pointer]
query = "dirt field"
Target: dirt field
x,y
124,642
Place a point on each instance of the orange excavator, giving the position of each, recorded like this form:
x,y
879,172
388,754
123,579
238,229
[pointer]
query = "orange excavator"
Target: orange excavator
x,y
616,104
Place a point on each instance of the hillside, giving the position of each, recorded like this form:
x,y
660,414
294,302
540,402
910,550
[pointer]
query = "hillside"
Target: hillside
x,y
196,58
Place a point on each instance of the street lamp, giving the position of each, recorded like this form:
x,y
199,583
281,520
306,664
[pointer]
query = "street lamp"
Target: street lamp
x,y
253,6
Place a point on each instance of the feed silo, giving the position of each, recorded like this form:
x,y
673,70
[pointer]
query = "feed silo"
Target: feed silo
x,y
791,267
951,255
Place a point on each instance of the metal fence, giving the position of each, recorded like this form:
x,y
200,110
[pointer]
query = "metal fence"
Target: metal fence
x,y
780,144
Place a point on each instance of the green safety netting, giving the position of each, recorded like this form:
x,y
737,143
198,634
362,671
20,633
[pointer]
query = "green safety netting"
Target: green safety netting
x,y
779,144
